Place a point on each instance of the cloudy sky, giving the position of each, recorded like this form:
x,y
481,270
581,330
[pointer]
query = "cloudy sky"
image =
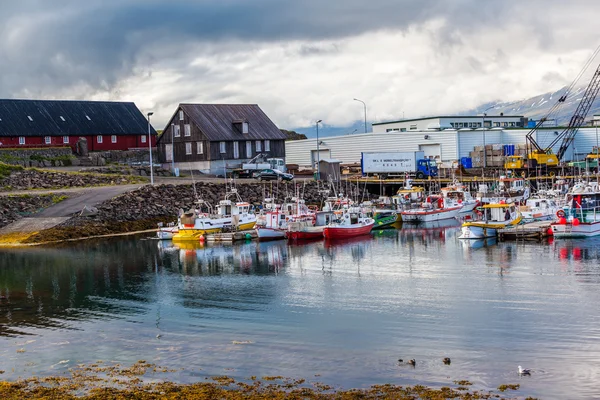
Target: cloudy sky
x,y
300,60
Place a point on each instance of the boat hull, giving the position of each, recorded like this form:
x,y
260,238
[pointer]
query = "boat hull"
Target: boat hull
x,y
417,216
265,233
477,232
166,233
340,232
186,235
569,230
468,207
315,232
386,222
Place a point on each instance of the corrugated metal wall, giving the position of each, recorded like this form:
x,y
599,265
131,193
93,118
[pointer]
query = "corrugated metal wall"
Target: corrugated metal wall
x,y
347,148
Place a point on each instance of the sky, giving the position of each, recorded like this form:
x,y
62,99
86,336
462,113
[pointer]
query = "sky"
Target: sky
x,y
300,60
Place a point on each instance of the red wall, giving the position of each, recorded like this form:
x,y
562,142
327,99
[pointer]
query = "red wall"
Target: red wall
x,y
123,142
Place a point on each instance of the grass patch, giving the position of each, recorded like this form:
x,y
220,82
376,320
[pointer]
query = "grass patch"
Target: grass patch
x,y
7,169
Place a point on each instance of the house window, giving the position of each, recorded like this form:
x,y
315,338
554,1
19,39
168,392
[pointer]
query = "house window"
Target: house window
x,y
47,139
248,149
113,138
244,127
413,127
222,148
186,130
181,115
188,148
99,138
176,131
143,138
258,146
236,149
65,139
21,139
267,145
199,148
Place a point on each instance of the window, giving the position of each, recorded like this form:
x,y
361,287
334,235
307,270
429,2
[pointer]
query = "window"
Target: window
x,y
496,123
413,127
143,138
188,148
99,139
512,124
505,124
236,149
181,115
176,131
65,139
199,148
47,140
186,130
248,149
29,116
267,145
62,118
222,147
452,124
113,138
258,146
244,127
402,129
21,139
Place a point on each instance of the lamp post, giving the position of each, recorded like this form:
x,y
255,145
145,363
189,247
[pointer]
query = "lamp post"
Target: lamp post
x,y
483,127
365,107
150,148
318,154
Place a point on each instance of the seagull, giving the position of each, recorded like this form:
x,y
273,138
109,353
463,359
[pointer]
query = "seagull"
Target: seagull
x,y
412,362
524,371
447,360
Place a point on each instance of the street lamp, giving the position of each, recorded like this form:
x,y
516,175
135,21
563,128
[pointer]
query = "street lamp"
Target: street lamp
x,y
365,106
483,127
318,154
150,148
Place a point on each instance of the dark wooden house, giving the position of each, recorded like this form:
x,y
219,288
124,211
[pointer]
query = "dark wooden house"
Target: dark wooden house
x,y
107,125
214,137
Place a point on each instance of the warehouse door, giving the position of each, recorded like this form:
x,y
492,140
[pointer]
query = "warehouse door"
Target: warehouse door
x,y
431,150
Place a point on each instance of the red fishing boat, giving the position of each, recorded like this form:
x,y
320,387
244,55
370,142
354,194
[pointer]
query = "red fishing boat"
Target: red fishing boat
x,y
350,222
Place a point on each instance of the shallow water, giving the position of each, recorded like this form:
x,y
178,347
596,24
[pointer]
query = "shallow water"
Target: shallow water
x,y
344,311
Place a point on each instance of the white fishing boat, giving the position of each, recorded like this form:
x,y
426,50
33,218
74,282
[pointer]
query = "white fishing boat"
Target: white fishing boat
x,y
580,217
539,209
459,194
508,190
167,232
230,215
495,216
434,208
277,219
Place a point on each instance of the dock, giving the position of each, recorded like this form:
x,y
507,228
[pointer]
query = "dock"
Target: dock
x,y
232,236
529,231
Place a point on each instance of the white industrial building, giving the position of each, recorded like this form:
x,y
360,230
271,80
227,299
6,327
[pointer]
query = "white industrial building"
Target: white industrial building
x,y
452,122
443,145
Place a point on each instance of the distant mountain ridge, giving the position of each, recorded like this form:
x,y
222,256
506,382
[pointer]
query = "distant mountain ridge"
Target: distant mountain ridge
x,y
535,107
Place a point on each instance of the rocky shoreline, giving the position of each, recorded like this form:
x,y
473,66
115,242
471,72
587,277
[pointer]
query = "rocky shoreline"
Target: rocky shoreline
x,y
15,207
142,209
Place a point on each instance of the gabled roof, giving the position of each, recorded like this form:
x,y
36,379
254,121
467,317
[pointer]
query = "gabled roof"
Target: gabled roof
x,y
70,117
216,121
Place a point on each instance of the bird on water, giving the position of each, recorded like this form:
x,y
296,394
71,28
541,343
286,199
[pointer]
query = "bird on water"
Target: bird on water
x,y
524,371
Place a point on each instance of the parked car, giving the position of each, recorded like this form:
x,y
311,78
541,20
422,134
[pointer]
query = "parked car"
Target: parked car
x,y
273,174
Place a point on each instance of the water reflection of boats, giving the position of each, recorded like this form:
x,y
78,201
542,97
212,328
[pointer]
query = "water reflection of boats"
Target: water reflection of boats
x,y
478,243
431,226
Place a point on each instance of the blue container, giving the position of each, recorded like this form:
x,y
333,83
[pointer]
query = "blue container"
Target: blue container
x,y
509,149
466,162
531,123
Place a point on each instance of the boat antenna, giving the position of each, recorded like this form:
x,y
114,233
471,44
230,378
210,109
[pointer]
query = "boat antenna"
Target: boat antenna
x,y
193,182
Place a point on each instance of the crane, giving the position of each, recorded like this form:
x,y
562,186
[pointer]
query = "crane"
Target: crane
x,y
540,157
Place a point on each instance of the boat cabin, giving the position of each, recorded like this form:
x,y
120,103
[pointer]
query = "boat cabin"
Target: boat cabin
x,y
499,212
227,208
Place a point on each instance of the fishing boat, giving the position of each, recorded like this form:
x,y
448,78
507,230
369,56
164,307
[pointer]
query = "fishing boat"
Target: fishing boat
x,y
350,222
495,216
539,209
278,217
230,215
508,190
434,208
167,232
457,193
580,217
385,218
408,195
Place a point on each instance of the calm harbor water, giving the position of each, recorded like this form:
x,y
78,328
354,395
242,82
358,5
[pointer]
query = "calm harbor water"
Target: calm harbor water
x,y
344,311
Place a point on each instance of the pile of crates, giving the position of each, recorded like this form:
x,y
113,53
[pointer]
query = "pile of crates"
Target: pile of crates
x,y
495,154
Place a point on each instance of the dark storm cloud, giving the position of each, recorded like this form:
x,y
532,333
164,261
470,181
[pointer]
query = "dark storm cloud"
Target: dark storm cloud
x,y
49,45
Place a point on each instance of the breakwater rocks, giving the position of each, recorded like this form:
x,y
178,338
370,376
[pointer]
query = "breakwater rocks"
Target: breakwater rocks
x,y
26,179
13,208
144,208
